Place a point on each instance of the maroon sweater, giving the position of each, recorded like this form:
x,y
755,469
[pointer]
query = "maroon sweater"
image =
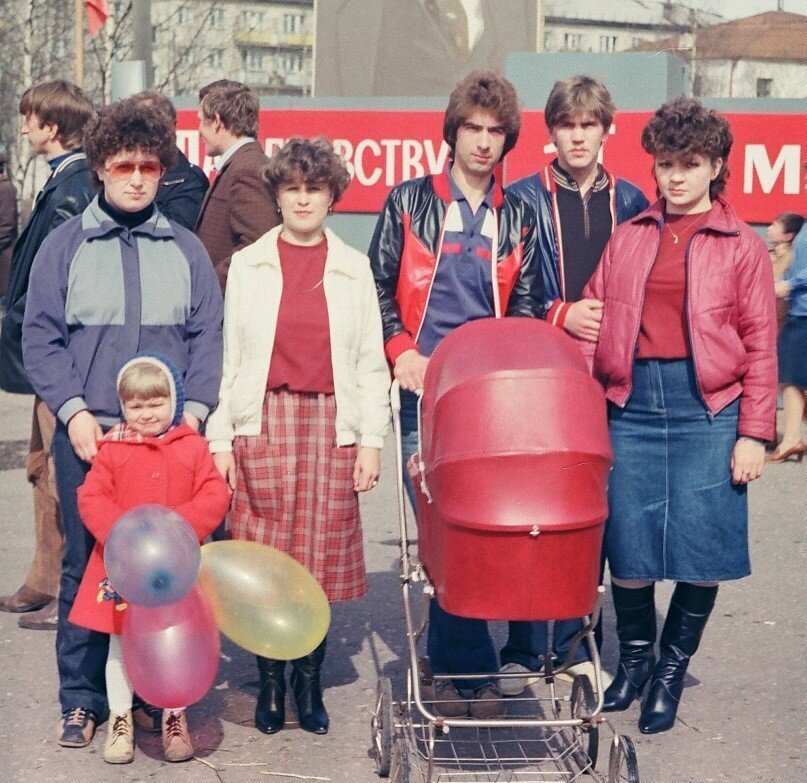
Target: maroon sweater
x,y
301,356
664,333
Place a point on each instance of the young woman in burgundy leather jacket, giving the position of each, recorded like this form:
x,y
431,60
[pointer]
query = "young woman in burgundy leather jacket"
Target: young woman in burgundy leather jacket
x,y
686,353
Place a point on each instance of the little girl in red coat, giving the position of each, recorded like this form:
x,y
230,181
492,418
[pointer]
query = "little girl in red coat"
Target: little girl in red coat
x,y
154,457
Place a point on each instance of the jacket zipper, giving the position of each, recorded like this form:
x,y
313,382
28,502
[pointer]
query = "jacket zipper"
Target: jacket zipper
x,y
494,257
586,219
688,307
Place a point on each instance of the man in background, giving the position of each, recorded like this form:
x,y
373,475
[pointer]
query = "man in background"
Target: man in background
x,y
183,187
54,115
238,207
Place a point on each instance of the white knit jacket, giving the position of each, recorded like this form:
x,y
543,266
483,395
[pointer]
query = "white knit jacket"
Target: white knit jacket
x,y
360,373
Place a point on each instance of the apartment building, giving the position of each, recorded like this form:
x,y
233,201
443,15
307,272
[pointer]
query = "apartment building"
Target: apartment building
x,y
267,44
618,25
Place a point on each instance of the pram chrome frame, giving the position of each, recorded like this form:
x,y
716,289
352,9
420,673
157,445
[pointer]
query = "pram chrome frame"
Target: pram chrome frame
x,y
411,741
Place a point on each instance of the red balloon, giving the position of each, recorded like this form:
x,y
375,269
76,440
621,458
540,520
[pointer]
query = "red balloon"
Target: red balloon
x,y
171,653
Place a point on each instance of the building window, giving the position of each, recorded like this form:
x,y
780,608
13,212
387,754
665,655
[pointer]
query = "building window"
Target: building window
x,y
252,20
764,88
254,60
636,40
183,15
607,43
697,85
293,23
291,62
217,18
154,39
216,58
573,42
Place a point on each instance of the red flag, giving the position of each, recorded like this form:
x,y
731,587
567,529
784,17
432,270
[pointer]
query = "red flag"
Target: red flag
x,y
97,13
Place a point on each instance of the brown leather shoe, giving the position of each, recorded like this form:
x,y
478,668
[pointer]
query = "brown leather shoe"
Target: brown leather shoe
x,y
148,717
444,699
487,704
44,619
24,600
176,738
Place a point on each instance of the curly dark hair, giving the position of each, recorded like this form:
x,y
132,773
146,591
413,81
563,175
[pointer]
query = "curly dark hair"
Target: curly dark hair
x,y
683,128
491,92
308,161
130,125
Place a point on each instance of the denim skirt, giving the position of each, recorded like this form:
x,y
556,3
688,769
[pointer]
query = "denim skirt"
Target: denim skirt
x,y
674,513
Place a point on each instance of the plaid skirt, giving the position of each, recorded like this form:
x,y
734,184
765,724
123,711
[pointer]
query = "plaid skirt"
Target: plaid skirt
x,y
294,491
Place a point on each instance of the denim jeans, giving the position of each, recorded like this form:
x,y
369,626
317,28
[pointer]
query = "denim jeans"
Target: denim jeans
x,y
461,645
80,654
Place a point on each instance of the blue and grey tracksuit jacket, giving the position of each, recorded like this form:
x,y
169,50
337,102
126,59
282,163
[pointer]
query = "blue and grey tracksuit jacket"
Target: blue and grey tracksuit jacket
x,y
99,294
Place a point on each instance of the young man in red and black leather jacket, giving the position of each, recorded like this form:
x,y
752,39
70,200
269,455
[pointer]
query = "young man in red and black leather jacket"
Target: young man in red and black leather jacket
x,y
451,248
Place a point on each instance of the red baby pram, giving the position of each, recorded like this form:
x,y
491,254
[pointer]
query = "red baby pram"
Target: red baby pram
x,y
511,476
510,484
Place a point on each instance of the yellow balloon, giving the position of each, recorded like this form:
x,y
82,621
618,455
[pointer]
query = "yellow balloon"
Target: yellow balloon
x,y
263,599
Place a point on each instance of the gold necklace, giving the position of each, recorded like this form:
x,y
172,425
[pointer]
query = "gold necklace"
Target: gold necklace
x,y
681,230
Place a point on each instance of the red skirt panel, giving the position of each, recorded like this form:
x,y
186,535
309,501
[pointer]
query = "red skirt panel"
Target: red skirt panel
x,y
294,491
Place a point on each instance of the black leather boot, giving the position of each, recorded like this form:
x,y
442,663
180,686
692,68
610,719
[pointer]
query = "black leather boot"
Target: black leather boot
x,y
305,685
270,711
636,628
689,611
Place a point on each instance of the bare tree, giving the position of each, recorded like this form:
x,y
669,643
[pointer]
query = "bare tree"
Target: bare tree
x,y
113,43
181,46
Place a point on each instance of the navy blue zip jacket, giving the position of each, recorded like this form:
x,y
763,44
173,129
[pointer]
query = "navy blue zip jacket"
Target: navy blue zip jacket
x,y
100,293
537,190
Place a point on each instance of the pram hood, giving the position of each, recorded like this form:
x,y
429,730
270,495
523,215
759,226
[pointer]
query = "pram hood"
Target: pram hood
x,y
514,429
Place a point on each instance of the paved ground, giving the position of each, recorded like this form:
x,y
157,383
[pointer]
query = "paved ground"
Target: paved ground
x,y
742,718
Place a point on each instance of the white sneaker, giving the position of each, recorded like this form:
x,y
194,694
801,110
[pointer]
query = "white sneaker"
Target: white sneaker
x,y
514,686
586,669
119,746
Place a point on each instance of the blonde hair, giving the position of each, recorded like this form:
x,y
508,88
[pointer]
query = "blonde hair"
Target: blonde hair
x,y
144,380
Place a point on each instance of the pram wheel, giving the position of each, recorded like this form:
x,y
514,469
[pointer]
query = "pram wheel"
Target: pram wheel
x,y
383,724
401,767
623,766
582,703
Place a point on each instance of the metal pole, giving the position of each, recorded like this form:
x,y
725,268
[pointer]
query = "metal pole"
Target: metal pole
x,y
79,31
540,25
141,36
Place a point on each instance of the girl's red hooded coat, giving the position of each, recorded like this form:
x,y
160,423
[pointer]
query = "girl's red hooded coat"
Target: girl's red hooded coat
x,y
175,470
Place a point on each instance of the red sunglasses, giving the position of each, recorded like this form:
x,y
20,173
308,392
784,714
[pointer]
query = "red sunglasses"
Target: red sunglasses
x,y
125,169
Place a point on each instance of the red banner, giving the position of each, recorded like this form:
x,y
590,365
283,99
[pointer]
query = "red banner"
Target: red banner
x,y
383,148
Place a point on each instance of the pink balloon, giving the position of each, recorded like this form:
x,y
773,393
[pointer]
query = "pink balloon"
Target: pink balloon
x,y
171,653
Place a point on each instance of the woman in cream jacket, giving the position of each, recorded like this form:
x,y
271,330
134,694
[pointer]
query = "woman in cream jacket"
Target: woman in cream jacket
x,y
303,408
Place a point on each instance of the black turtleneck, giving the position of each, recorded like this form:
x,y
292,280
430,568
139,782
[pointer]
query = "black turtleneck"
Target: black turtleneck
x,y
129,219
